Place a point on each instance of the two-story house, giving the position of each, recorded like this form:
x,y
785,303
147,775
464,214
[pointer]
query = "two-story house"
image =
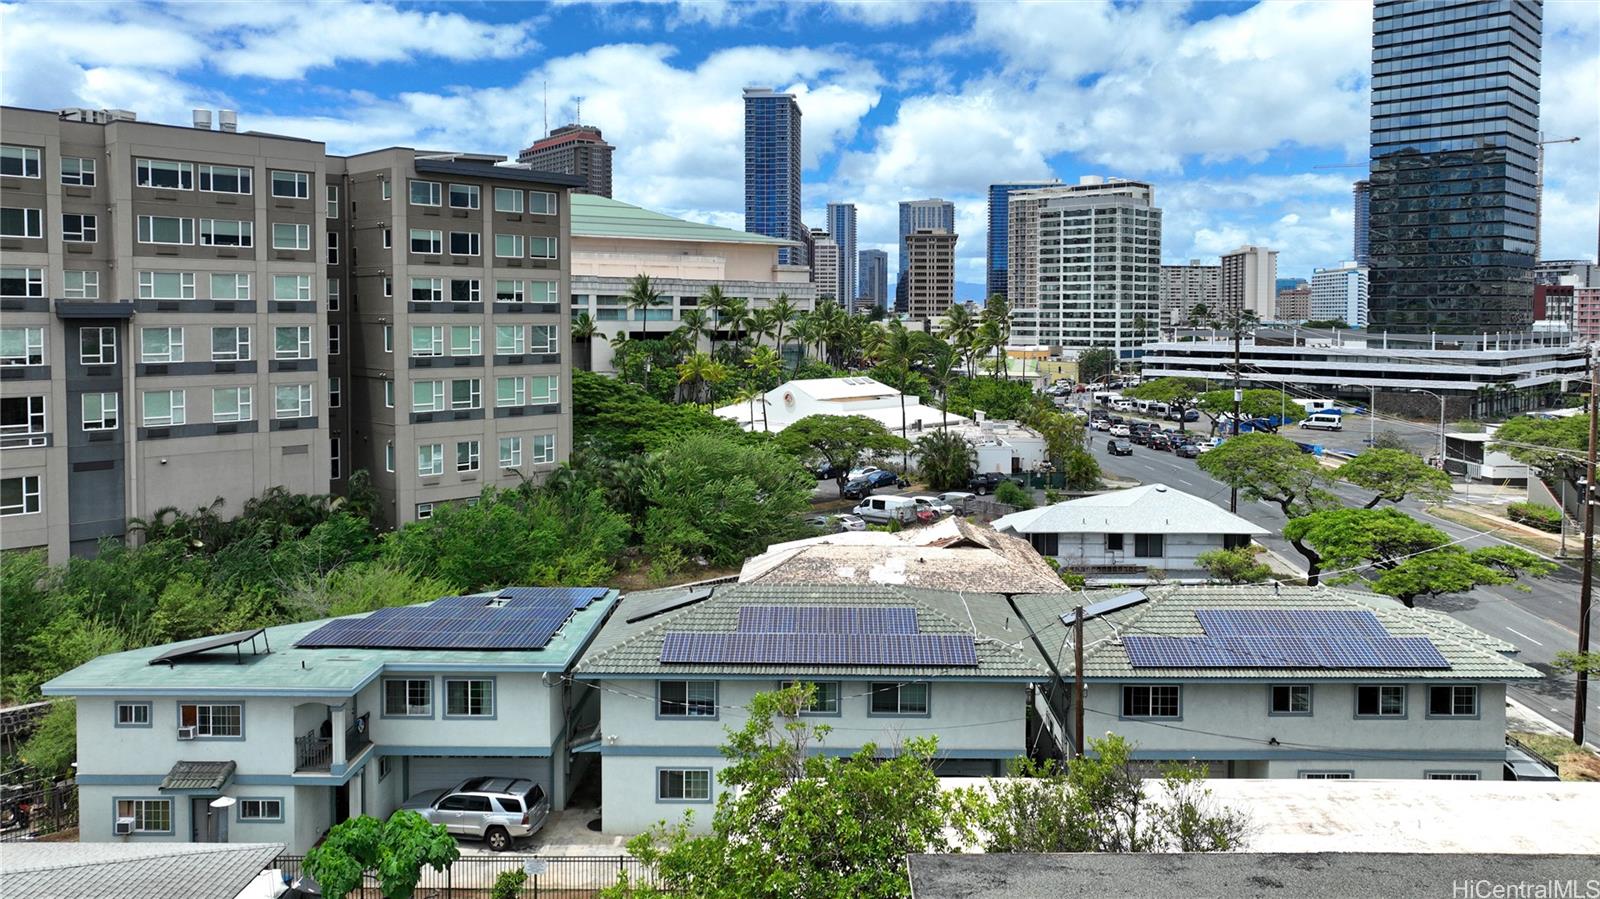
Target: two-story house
x,y
305,725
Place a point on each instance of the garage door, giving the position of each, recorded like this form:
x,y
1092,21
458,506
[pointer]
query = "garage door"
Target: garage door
x,y
429,772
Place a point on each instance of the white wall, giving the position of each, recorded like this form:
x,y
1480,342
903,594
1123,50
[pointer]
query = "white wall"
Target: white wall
x,y
522,715
267,746
1179,551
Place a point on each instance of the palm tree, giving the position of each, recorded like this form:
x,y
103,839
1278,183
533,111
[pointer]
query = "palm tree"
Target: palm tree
x,y
762,323
765,364
715,304
737,313
695,326
697,375
584,329
960,328
997,312
640,297
805,333
783,313
942,360
899,352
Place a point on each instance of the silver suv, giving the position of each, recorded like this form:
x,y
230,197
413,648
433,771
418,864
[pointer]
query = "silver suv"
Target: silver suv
x,y
496,810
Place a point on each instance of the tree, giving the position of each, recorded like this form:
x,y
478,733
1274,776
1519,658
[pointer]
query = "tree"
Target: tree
x,y
1394,474
1255,403
840,441
1235,566
765,365
723,502
945,460
783,315
641,297
996,317
1000,400
1094,364
698,377
1064,445
961,330
620,419
899,352
940,360
396,850
1179,394
53,746
695,326
583,331
1554,445
1272,469
1327,324
796,824
1012,494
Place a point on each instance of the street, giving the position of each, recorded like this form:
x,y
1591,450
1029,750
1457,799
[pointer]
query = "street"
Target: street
x,y
1539,616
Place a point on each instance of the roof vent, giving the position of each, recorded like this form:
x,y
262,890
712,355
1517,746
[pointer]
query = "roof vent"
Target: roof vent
x,y
202,119
1161,488
227,120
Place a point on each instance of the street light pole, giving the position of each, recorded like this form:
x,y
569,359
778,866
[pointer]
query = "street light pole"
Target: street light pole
x,y
1586,591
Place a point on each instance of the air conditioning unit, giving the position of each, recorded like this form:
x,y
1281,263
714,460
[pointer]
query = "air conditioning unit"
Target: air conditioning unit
x,y
124,826
186,733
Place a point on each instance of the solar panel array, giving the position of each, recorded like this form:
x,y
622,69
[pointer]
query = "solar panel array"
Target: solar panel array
x,y
822,635
515,618
1260,651
1106,606
1290,622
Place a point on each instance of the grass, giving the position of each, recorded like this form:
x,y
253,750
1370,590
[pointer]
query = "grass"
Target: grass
x,y
1574,762
1548,545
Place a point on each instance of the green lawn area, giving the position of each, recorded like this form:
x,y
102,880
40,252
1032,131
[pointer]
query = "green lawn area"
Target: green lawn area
x,y
1547,545
1576,762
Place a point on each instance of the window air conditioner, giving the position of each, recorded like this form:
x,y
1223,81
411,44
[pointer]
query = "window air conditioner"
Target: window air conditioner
x,y
124,826
186,733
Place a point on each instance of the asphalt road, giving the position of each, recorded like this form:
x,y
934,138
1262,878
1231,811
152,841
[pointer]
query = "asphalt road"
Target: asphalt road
x,y
1538,616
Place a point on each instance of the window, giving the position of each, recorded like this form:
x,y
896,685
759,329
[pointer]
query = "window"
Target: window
x,y
507,200
544,389
464,196
427,396
1452,775
383,767
164,173
163,408
19,162
332,210
466,340
292,401
333,294
293,185
335,467
542,202
19,496
687,699
542,247
1148,546
410,697
388,238
166,229
427,242
260,809
424,193
79,228
232,404
509,340
468,698
824,697
464,243
99,411
386,188
388,455
291,342
388,338
226,179
466,455
466,290
80,285
97,346
506,291
291,287
212,720
335,390
1150,701
510,392
133,714
230,286
166,285
21,282
22,346
544,339
542,291
333,248
427,340
225,233
508,246
22,421
1291,699
149,815
510,452
899,699
230,344
388,393
291,237
1453,701
683,785
466,393
1381,701
157,345
78,171
1113,543
15,222
1326,775
333,340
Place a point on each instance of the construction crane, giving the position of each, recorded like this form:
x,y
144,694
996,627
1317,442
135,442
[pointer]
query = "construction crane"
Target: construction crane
x,y
1538,195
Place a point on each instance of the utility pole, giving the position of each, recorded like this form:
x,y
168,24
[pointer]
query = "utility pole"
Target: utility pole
x,y
1586,592
1238,397
1077,684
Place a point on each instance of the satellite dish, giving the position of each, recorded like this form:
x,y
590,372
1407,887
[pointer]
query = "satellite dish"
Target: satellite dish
x,y
223,802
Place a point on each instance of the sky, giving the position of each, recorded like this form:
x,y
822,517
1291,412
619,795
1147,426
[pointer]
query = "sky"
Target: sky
x,y
1246,117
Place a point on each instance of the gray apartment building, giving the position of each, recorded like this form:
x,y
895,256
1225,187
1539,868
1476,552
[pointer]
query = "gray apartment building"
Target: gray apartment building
x,y
1183,287
193,314
574,150
930,272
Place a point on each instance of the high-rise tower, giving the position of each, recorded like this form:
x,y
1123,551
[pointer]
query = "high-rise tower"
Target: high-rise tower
x,y
998,194
842,228
772,170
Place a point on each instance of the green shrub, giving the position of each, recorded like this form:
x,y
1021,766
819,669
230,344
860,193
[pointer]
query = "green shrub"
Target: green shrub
x,y
1534,515
509,884
1012,494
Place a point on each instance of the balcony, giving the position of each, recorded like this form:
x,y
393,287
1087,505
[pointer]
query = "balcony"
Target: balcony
x,y
316,750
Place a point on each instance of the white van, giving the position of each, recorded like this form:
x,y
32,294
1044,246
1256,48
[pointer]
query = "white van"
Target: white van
x,y
883,509
1324,421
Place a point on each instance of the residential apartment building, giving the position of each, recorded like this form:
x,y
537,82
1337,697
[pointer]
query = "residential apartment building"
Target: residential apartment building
x,y
306,725
194,314
1340,294
1586,314
842,228
930,272
916,215
1294,304
1455,130
1361,209
1183,287
573,150
999,220
1567,273
826,261
772,164
1085,265
873,288
1250,281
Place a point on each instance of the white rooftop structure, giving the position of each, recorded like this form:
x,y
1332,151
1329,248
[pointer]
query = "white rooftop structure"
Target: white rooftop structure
x,y
1151,509
793,400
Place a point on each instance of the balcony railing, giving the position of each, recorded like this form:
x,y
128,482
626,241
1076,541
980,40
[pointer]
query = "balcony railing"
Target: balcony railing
x,y
312,752
357,736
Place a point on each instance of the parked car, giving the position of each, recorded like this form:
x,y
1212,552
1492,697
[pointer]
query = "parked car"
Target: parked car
x,y
939,506
1120,447
497,810
826,472
1159,441
1209,444
1101,424
1187,451
956,500
852,523
862,471
884,509
985,482
1120,430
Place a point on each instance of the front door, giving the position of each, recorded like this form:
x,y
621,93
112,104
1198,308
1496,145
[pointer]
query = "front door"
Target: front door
x,y
341,803
207,824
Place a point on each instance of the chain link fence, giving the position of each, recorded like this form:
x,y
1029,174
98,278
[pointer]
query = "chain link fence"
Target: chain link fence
x,y
549,877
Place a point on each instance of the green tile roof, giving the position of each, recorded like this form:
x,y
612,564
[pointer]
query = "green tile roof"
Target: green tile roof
x,y
291,671
594,216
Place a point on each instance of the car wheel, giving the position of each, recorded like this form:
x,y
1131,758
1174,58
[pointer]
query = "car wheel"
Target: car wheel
x,y
498,839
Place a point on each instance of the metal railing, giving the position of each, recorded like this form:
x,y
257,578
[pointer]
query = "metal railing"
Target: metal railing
x,y
34,811
357,736
566,877
312,751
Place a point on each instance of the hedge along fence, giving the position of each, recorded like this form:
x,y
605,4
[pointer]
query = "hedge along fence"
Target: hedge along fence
x,y
1535,516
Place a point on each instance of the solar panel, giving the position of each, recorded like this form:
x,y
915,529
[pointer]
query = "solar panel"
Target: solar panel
x,y
220,641
828,619
1262,651
1290,622
1107,606
944,650
516,618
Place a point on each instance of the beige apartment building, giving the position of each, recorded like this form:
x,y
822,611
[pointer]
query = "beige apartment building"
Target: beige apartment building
x,y
1250,281
930,272
188,315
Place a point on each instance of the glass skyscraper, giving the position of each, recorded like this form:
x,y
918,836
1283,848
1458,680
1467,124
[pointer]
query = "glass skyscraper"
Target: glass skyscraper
x,y
914,215
1361,201
842,228
1455,123
874,274
772,170
997,230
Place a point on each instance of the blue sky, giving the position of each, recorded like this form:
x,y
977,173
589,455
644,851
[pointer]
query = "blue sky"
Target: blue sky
x,y
1227,108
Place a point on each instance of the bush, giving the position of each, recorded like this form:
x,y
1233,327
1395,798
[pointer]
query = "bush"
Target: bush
x,y
509,884
1534,515
1012,494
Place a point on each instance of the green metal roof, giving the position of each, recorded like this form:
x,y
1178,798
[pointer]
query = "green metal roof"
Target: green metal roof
x,y
594,216
291,671
198,776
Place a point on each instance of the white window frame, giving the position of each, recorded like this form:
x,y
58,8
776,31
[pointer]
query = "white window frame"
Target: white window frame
x,y
143,811
474,243
435,401
206,725
466,340
517,291
427,341
88,230
304,401
333,247
335,460
86,288
253,808
240,289
83,177
1457,691
518,395
515,248
544,389
432,238
516,346
503,200
388,456
243,399
335,391
32,347
543,451
32,280
147,230
299,184
430,460
104,418
432,192
467,455
433,288
144,170
542,291
472,193
243,174
474,290
474,394
29,157
388,393
244,233
551,342
176,413
1150,702
302,288
487,707
174,346
690,782
30,496
406,708
151,281
301,236
332,203
510,452
547,200
302,342
34,429
699,699
551,245
335,292
32,223
241,344
334,341
106,352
